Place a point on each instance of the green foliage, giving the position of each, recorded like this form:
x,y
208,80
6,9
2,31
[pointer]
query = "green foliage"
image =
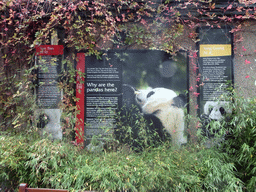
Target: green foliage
x,y
133,130
90,27
68,105
43,163
240,143
236,136
18,104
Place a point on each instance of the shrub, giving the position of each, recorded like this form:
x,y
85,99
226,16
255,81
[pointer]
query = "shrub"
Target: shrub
x,y
42,163
240,143
236,136
137,131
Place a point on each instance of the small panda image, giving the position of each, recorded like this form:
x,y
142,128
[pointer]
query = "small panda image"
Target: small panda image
x,y
214,111
166,105
49,123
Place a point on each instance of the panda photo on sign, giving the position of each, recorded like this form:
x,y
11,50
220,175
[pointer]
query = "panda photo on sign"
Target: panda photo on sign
x,y
166,105
213,111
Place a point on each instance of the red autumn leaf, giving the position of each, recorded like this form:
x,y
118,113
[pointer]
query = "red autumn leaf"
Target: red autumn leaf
x,y
229,7
195,68
143,22
238,17
196,94
247,62
198,125
118,19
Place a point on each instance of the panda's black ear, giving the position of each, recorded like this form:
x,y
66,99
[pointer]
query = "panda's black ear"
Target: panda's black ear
x,y
179,101
150,94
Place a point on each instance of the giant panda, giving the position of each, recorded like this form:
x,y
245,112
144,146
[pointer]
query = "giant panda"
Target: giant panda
x,y
214,111
128,128
166,105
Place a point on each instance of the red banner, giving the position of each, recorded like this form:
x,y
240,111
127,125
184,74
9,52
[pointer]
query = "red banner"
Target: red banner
x,y
49,50
80,96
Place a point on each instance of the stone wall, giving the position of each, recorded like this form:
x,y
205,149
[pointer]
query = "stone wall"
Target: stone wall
x,y
245,59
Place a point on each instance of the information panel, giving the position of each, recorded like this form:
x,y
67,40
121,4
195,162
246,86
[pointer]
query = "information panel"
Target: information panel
x,y
102,93
48,94
109,84
215,64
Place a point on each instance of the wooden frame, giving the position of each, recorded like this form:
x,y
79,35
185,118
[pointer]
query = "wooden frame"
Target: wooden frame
x,y
24,188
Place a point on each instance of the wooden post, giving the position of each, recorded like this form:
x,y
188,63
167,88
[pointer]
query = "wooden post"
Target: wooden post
x,y
22,187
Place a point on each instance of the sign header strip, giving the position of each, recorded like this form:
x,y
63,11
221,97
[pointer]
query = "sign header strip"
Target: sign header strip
x,y
215,50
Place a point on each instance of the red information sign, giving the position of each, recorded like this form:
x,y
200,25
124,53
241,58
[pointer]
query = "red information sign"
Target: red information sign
x,y
80,95
49,50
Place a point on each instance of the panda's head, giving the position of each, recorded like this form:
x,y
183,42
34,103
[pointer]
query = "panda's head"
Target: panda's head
x,y
143,95
152,100
216,110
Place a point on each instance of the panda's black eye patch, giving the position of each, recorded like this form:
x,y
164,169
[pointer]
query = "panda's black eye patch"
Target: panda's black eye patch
x,y
150,94
139,100
222,111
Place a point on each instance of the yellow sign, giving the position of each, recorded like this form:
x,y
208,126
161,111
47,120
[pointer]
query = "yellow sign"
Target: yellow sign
x,y
214,50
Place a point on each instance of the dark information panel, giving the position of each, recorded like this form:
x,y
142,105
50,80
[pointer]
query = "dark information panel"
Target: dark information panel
x,y
103,89
102,93
215,63
48,94
110,83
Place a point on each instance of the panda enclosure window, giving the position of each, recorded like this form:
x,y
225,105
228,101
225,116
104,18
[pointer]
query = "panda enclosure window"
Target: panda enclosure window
x,y
149,72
